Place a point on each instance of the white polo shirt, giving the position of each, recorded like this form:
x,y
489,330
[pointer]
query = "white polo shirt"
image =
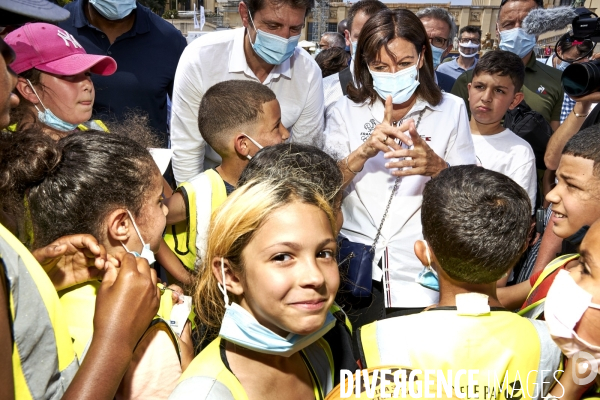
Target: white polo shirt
x,y
445,128
219,57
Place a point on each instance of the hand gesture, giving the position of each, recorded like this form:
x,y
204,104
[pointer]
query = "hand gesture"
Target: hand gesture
x,y
382,138
127,301
420,159
73,259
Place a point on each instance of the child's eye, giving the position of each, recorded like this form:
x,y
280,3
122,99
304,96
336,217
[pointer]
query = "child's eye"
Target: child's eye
x,y
500,91
326,254
281,257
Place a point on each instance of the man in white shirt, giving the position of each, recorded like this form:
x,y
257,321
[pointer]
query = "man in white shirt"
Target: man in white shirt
x,y
360,12
265,51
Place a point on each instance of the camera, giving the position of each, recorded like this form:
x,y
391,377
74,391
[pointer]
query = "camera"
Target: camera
x,y
580,79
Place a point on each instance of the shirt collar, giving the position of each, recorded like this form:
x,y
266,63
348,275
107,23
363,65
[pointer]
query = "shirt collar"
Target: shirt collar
x,y
238,63
141,25
532,63
378,108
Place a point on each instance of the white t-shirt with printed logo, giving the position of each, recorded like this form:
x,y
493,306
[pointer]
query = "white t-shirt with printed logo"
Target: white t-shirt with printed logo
x,y
507,153
445,128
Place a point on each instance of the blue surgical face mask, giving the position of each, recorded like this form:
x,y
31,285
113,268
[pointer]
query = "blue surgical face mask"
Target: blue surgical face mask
x,y
562,65
400,85
114,9
272,48
437,56
517,41
146,252
428,277
317,51
241,328
249,157
48,118
354,44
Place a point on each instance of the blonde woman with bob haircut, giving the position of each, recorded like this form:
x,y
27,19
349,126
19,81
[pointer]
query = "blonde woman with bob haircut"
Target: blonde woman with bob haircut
x,y
269,279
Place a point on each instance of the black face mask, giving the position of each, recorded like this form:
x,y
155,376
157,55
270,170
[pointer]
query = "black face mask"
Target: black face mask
x,y
576,238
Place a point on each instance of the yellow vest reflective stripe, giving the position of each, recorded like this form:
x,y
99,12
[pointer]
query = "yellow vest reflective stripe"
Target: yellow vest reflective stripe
x,y
93,124
534,310
43,359
79,303
183,236
208,370
500,342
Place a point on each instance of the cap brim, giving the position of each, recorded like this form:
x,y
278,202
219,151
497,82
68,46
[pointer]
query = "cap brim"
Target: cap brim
x,y
38,9
77,63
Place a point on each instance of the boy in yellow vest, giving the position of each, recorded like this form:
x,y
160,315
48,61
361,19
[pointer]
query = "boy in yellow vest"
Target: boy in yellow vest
x,y
575,206
475,225
236,118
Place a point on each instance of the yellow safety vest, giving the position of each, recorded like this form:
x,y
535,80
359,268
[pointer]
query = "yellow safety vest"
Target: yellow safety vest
x,y
498,344
86,126
181,237
44,363
93,124
208,373
536,309
79,303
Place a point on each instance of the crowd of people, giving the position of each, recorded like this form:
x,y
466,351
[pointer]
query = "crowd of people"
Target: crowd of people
x,y
376,207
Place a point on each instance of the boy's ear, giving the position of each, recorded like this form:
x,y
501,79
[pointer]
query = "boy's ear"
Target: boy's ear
x,y
240,144
421,253
232,282
118,225
517,99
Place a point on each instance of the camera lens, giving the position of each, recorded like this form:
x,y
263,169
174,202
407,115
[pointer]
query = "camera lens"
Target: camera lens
x,y
581,79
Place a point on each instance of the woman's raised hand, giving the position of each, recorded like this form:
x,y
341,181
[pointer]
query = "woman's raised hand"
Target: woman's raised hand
x,y
420,159
382,138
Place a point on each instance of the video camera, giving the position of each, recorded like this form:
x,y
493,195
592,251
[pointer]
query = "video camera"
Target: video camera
x,y
580,79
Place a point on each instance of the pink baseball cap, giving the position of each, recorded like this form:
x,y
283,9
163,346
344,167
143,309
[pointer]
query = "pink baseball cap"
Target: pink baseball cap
x,y
53,50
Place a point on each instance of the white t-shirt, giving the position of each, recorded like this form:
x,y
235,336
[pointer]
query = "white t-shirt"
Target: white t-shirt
x,y
445,128
507,153
219,57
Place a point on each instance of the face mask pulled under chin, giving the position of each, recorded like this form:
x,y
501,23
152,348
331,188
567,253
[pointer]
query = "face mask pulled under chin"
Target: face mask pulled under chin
x,y
48,118
241,328
146,253
428,277
565,304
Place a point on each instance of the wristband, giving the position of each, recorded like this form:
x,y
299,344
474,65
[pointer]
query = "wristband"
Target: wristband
x,y
348,167
580,115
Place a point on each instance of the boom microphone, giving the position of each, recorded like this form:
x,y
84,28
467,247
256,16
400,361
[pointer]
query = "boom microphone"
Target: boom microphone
x,y
541,20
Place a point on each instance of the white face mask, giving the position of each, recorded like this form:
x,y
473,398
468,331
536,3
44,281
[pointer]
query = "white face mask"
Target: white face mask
x,y
146,252
565,304
469,45
249,157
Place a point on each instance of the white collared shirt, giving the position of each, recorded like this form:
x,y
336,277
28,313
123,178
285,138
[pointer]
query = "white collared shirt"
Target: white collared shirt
x,y
445,128
218,57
